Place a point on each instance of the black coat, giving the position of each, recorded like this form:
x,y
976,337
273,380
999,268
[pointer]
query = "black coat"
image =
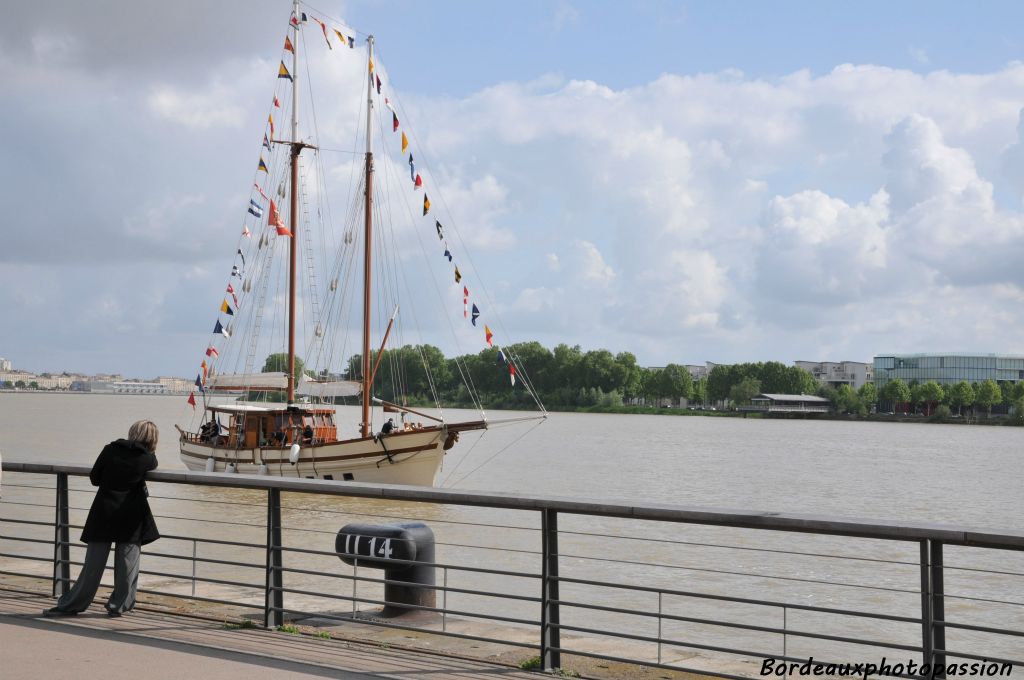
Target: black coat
x,y
120,512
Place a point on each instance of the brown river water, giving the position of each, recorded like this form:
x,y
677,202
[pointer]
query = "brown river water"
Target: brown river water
x,y
953,474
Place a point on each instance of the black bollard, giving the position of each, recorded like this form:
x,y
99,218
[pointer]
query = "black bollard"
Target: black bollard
x,y
379,546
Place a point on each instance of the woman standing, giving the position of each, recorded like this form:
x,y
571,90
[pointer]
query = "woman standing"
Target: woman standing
x,y
120,515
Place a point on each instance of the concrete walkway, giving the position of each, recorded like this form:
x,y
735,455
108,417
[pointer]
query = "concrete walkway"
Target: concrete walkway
x,y
159,646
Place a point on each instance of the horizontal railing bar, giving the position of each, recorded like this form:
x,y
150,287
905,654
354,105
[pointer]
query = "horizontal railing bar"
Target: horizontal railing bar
x,y
725,624
25,539
983,571
216,541
45,577
708,596
403,605
736,547
378,622
981,629
979,657
198,598
28,521
386,581
204,579
207,560
651,664
701,671
396,561
950,535
28,557
9,485
969,598
727,572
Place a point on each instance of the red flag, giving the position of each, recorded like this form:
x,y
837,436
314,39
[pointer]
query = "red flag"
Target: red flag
x,y
211,351
378,84
259,189
465,302
277,102
512,374
323,26
394,121
294,22
418,183
245,231
192,400
275,221
287,41
489,335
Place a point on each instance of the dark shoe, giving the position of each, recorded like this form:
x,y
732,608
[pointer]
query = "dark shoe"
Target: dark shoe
x,y
113,613
57,611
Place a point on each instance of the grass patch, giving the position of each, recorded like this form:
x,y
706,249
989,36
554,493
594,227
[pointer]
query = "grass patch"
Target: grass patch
x,y
531,664
323,635
245,623
288,628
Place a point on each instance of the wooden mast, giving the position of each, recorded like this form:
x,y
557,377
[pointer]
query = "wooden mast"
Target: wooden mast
x,y
368,248
296,149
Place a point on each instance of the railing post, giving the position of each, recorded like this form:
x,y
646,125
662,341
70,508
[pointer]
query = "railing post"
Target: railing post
x,y
273,605
927,621
938,610
550,637
61,539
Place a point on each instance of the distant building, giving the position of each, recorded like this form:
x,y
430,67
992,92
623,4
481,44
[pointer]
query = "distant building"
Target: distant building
x,y
5,365
948,369
787,403
836,373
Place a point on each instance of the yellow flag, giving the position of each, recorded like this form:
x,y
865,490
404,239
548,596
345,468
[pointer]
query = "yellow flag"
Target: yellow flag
x,y
405,143
223,308
371,66
426,204
282,72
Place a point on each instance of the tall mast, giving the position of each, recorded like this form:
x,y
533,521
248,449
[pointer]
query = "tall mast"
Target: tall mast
x,y
367,247
296,149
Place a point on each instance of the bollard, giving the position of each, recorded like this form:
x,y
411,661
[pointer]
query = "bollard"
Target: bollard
x,y
379,545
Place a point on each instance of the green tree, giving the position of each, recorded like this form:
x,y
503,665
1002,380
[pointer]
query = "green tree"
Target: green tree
x,y
960,395
33,385
929,394
20,384
868,394
896,392
674,382
988,393
847,400
700,392
743,391
278,363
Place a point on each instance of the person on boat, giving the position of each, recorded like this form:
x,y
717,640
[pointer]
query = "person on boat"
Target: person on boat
x,y
307,434
120,514
388,427
209,431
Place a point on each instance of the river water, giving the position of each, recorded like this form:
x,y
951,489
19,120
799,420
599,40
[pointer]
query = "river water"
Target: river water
x,y
964,475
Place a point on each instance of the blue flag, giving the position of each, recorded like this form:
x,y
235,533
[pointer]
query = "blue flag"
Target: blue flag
x,y
476,313
199,382
412,169
448,254
501,357
220,329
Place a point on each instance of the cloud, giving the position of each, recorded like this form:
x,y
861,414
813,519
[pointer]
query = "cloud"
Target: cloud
x,y
692,217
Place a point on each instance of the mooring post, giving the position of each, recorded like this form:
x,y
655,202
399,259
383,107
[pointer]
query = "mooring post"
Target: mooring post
x,y
927,622
550,637
938,608
61,539
273,604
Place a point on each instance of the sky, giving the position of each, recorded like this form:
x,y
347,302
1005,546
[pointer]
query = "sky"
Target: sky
x,y
691,182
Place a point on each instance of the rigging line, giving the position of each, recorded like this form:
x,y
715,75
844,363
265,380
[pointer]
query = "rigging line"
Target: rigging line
x,y
462,460
335,19
495,455
463,370
345,151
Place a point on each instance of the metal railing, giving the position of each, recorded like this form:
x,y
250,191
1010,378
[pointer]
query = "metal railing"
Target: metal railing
x,y
617,580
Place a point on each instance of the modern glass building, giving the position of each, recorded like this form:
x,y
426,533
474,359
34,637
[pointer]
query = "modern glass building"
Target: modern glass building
x,y
948,369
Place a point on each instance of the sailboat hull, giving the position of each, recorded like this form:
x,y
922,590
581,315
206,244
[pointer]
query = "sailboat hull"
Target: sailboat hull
x,y
412,458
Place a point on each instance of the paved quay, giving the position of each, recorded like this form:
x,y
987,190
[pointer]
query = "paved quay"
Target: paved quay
x,y
161,646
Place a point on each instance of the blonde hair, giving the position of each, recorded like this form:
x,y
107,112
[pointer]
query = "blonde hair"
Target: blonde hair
x,y
144,433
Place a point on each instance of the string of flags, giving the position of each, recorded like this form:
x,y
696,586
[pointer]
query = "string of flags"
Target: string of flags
x,y
258,209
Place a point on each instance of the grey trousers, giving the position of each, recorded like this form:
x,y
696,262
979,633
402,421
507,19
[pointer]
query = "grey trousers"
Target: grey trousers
x,y
126,578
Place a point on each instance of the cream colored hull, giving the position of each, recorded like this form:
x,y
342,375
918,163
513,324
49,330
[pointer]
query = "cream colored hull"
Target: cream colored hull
x,y
412,458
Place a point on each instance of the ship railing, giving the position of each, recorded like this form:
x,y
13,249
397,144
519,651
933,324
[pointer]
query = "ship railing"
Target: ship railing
x,y
716,592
